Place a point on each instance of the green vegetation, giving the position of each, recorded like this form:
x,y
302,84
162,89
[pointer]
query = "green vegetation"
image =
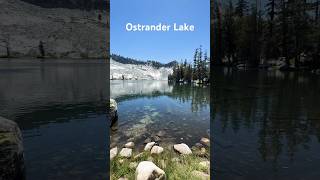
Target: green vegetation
x,y
258,33
126,60
175,166
199,71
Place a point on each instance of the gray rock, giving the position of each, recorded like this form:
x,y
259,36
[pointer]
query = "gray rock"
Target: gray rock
x,y
182,148
149,146
148,140
198,145
113,111
156,150
113,152
156,138
11,151
205,141
161,133
125,152
129,145
146,170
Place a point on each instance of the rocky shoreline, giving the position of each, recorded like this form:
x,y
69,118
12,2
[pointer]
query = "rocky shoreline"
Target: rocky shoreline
x,y
157,162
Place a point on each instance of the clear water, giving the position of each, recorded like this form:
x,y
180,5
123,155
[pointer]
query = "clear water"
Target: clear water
x,y
265,125
60,108
180,112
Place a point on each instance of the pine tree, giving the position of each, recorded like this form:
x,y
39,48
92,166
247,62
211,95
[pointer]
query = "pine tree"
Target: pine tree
x,y
242,8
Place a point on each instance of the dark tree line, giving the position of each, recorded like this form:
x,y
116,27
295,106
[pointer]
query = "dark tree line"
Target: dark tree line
x,y
198,71
155,64
259,32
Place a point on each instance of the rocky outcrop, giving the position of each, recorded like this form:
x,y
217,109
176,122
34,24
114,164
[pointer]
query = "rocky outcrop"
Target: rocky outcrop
x,y
64,33
113,111
146,170
11,151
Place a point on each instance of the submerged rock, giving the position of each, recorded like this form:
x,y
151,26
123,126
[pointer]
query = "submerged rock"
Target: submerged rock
x,y
126,152
11,151
146,170
149,146
161,133
129,145
182,148
112,111
148,140
156,150
113,153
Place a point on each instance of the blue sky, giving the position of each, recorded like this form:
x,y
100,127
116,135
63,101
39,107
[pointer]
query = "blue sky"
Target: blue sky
x,y
160,46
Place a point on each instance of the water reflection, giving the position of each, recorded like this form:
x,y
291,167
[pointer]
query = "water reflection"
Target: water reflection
x,y
173,109
60,108
266,124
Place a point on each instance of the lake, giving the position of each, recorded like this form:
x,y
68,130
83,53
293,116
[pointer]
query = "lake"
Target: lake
x,y
265,125
60,106
164,112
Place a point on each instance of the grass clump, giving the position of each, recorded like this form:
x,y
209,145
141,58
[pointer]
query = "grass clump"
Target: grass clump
x,y
176,167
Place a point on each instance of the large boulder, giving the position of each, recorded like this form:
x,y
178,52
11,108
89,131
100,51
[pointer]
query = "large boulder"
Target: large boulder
x,y
182,148
112,111
156,150
146,170
126,152
11,151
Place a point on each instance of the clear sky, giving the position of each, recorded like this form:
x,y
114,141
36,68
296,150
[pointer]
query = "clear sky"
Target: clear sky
x,y
161,46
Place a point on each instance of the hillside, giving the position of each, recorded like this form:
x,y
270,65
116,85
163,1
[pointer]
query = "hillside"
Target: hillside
x,y
65,33
137,71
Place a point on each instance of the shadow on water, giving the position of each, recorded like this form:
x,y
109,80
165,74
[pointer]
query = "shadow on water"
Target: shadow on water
x,y
60,106
180,112
266,124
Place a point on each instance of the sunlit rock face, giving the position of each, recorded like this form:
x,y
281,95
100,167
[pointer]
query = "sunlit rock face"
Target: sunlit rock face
x,y
65,33
119,71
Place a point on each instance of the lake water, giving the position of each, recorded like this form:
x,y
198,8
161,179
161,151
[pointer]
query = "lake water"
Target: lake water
x,y
60,106
163,112
265,125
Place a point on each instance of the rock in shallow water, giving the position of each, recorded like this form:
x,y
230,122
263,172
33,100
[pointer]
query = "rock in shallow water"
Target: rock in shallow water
x,y
129,145
149,146
146,170
205,141
11,151
125,152
182,148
